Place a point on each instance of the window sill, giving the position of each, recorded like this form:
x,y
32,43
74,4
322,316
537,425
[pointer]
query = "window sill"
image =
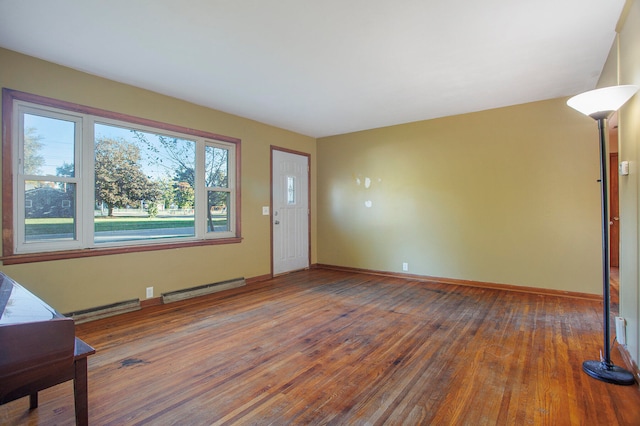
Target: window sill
x,y
17,259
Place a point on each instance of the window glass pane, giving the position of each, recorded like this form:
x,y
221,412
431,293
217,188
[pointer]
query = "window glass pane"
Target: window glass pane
x,y
145,185
219,211
48,146
291,189
49,211
216,167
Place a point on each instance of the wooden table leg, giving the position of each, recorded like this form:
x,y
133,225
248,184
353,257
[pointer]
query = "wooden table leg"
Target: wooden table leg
x,y
33,400
80,391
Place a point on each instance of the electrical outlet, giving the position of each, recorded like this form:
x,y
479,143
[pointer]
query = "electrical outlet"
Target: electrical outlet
x,y
149,292
405,266
621,331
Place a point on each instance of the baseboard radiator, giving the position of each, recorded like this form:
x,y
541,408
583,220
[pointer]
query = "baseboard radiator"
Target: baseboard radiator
x,y
202,290
105,311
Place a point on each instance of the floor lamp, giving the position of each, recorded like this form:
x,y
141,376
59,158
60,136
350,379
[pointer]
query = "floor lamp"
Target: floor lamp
x,y
599,104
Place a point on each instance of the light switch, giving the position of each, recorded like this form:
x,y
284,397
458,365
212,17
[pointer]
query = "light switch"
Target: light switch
x,y
624,168
265,210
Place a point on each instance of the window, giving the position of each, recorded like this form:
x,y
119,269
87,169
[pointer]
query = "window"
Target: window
x,y
87,181
291,190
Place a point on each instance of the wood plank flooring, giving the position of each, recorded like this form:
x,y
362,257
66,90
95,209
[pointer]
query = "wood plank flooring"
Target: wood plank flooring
x,y
329,347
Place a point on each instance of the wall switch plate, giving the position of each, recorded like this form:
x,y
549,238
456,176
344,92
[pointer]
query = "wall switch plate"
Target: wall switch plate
x,y
624,168
265,210
405,266
149,292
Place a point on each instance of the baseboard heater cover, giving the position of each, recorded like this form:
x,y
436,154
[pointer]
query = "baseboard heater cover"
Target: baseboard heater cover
x,y
105,311
202,290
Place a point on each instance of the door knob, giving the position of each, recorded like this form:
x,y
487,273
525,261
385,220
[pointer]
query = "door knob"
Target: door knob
x,y
277,222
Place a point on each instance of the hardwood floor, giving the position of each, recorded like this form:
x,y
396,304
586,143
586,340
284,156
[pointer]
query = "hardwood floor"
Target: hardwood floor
x,y
329,347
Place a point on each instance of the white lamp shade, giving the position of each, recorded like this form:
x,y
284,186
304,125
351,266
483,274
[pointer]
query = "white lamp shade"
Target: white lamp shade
x,y
600,103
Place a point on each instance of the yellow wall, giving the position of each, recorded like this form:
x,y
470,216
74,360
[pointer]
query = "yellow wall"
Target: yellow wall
x,y
623,67
506,196
76,284
503,196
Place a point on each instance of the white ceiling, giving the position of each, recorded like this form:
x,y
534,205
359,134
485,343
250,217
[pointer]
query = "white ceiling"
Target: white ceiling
x,y
325,67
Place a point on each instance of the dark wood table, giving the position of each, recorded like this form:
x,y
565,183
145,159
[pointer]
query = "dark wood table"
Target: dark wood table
x,y
38,349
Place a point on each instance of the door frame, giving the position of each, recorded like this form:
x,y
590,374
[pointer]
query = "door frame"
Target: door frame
x,y
614,188
614,209
303,154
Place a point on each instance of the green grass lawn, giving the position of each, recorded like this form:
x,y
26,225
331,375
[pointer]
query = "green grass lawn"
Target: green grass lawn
x,y
103,224
132,223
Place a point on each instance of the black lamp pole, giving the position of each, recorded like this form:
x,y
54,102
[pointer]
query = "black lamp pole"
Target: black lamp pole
x,y
604,369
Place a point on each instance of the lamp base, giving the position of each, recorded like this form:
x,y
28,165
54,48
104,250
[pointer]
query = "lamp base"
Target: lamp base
x,y
608,373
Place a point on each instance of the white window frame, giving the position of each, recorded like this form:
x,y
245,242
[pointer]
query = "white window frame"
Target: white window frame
x,y
20,243
85,118
230,188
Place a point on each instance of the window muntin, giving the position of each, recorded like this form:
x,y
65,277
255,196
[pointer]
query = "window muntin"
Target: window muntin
x,y
186,204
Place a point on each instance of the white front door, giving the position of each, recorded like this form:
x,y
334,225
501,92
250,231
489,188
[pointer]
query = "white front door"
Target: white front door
x,y
290,207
